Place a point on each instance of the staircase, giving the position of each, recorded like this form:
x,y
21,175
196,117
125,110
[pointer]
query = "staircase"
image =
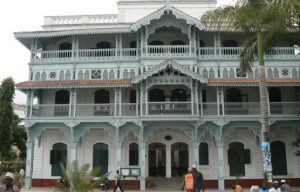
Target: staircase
x,y
166,184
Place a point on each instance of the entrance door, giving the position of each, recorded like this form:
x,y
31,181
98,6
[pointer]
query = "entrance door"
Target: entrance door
x,y
157,159
179,159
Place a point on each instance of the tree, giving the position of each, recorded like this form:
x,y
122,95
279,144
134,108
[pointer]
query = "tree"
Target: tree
x,y
79,178
19,136
264,22
7,91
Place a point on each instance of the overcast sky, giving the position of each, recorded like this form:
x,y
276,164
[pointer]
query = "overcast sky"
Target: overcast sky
x,y
28,15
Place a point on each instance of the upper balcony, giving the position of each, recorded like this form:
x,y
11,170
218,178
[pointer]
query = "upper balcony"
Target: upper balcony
x,y
155,51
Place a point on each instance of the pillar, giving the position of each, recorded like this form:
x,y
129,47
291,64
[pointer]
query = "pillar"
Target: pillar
x,y
29,164
118,155
142,153
220,155
73,151
168,162
196,153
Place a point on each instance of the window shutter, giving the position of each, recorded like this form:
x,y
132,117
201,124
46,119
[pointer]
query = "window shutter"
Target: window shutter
x,y
247,156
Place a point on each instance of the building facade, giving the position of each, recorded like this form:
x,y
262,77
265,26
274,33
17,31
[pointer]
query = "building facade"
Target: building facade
x,y
152,91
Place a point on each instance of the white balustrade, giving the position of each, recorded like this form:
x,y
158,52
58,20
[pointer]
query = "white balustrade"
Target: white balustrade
x,y
206,51
230,51
164,108
168,50
91,19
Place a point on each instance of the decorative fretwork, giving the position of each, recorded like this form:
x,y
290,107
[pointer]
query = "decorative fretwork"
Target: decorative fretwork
x,y
96,74
168,21
167,10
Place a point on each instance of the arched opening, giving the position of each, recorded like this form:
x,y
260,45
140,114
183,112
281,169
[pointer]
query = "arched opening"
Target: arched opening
x,y
156,42
156,95
133,154
179,158
203,154
102,106
100,157
230,43
157,159
132,44
179,95
58,155
63,47
275,100
62,99
236,159
103,45
177,42
278,158
233,95
202,43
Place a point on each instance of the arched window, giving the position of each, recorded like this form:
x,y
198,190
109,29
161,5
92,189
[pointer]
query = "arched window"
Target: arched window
x,y
125,74
178,95
58,155
270,73
101,96
225,73
278,158
68,75
203,154
294,73
156,95
211,73
276,73
205,73
132,73
44,76
111,74
37,76
61,75
236,159
86,75
100,157
231,73
105,74
256,73
80,75
133,154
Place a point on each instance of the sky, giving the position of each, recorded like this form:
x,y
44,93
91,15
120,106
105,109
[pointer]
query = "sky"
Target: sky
x,y
19,15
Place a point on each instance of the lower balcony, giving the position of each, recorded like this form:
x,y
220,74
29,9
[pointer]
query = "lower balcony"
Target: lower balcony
x,y
163,108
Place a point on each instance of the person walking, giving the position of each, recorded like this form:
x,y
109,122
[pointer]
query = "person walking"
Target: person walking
x,y
9,183
188,182
284,186
237,188
275,187
264,188
118,180
198,179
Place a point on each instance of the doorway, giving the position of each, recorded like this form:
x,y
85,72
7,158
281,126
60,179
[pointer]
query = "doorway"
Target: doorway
x,y
179,159
157,159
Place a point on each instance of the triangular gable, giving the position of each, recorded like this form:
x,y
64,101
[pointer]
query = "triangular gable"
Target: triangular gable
x,y
160,12
172,64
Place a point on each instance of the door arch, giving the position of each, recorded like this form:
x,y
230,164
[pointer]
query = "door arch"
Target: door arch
x,y
179,158
157,159
58,155
100,157
236,159
278,158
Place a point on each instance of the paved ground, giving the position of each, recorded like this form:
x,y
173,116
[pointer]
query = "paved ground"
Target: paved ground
x,y
34,189
37,189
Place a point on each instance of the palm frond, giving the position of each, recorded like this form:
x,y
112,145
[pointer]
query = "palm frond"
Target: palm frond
x,y
248,53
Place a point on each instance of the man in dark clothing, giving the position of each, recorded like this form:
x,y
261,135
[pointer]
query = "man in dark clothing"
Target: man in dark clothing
x,y
198,179
118,184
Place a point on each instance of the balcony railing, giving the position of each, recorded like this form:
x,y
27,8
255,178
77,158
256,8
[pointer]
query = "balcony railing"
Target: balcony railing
x,y
155,51
163,108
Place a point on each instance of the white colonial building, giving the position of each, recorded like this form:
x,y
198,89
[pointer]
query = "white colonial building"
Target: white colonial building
x,y
152,91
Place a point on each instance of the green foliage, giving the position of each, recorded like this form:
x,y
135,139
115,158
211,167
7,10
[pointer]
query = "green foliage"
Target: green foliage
x,y
7,91
80,179
19,136
12,166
